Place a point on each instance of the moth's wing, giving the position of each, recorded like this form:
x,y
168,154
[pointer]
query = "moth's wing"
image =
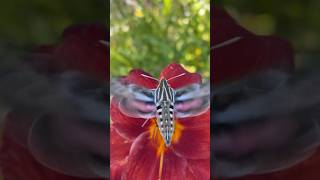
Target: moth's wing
x,y
283,96
253,84
55,115
237,95
29,90
74,142
287,109
296,149
133,100
69,145
192,100
73,97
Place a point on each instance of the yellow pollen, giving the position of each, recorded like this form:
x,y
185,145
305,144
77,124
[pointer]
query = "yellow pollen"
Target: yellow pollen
x,y
157,139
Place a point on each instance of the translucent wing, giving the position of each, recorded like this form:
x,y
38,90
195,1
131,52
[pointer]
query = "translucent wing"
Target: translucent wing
x,y
248,98
253,100
60,118
192,100
265,123
133,100
69,145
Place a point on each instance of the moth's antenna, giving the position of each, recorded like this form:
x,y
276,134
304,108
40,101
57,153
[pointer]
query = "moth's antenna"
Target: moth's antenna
x,y
106,43
150,77
176,76
226,43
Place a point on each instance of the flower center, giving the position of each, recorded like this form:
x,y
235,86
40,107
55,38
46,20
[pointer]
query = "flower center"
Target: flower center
x,y
157,140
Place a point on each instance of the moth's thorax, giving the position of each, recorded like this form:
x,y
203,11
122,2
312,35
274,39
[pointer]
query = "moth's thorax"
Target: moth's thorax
x,y
164,100
164,92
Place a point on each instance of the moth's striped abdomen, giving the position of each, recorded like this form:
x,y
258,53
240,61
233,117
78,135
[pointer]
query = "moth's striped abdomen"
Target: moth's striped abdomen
x,y
164,100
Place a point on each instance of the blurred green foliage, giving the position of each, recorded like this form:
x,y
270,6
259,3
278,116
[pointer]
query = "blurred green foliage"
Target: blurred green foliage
x,y
34,22
152,34
295,20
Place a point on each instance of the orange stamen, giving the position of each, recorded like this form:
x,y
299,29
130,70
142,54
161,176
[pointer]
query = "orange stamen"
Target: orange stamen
x,y
161,165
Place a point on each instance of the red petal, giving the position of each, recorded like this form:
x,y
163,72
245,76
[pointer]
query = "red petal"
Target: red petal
x,y
83,49
251,55
173,70
193,122
247,55
119,147
119,150
127,127
309,169
143,162
74,53
194,142
135,77
174,167
198,169
225,27
90,33
16,162
17,126
116,171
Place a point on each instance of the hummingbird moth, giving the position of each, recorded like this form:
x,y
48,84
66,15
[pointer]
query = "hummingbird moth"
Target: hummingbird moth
x,y
163,102
63,114
264,122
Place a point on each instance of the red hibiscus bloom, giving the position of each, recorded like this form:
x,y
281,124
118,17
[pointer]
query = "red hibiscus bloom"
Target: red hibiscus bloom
x,y
140,153
236,53
84,48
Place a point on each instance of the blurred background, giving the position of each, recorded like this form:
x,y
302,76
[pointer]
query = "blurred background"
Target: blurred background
x,y
152,34
25,25
294,20
36,22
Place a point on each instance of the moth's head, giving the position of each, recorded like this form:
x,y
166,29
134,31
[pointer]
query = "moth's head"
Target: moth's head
x,y
163,83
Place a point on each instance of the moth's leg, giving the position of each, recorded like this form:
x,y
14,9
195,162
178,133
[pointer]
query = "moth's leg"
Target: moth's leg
x,y
145,122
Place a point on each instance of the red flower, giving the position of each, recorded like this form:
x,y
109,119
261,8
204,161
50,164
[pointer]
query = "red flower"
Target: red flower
x,y
235,53
140,153
84,48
